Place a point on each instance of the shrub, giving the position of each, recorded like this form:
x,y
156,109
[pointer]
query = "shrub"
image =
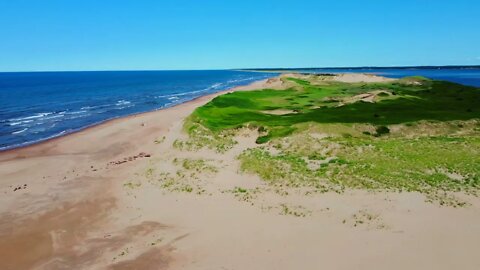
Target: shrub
x,y
381,130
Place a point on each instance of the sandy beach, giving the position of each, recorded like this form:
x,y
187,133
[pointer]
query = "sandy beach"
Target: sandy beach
x,y
85,201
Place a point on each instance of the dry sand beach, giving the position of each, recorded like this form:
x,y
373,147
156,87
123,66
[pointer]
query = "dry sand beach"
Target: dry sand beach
x,y
86,201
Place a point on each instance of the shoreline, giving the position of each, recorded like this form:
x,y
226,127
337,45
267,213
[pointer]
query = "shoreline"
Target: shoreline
x,y
70,188
121,195
55,138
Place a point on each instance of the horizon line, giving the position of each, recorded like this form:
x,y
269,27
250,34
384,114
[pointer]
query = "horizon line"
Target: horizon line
x,y
254,69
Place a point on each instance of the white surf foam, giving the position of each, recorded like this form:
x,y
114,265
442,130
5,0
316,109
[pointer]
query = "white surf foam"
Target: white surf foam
x,y
19,131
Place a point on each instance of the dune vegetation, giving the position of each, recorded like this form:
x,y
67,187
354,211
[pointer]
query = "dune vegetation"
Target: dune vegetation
x,y
412,134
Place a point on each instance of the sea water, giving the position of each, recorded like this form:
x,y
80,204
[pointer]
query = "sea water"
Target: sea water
x,y
36,106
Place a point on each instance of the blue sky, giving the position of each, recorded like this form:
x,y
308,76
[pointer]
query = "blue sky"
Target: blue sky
x,y
139,35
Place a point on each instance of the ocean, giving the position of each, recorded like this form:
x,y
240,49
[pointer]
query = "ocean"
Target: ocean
x,y
35,106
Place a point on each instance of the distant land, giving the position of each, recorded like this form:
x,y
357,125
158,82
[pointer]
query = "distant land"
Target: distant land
x,y
366,67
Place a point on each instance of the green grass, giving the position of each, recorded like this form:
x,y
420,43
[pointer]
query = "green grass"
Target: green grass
x,y
286,169
418,135
200,136
186,178
407,100
196,165
433,166
421,164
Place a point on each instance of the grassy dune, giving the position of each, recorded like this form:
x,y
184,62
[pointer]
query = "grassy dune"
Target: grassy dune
x,y
412,134
407,100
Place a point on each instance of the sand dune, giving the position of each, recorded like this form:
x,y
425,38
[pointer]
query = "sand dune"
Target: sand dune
x,y
88,201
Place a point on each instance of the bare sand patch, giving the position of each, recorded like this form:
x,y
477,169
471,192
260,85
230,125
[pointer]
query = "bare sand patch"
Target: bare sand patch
x,y
370,97
360,77
279,112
